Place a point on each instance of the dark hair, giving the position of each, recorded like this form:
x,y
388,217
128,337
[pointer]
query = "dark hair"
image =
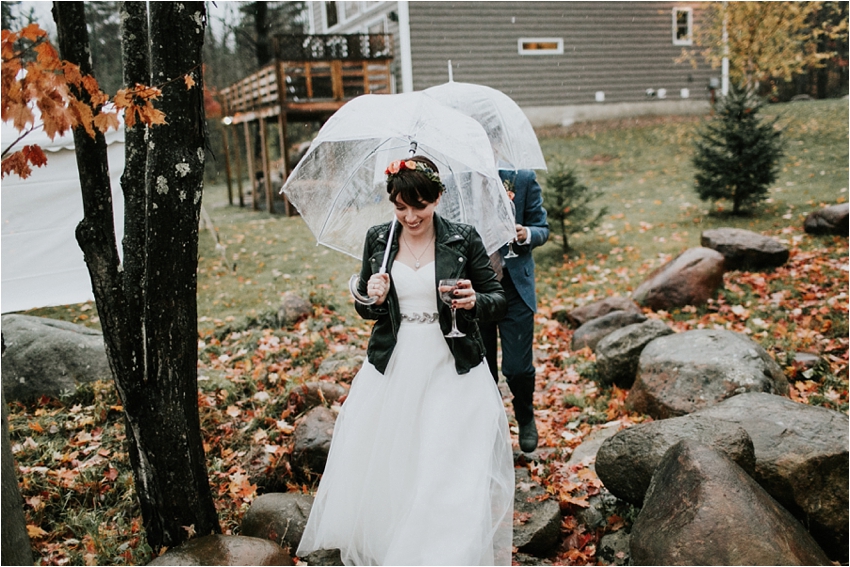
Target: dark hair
x,y
416,188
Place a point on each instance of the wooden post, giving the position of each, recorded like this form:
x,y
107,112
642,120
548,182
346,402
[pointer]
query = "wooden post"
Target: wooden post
x,y
282,125
267,178
226,145
238,156
249,154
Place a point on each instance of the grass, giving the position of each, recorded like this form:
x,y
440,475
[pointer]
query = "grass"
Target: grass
x,y
642,165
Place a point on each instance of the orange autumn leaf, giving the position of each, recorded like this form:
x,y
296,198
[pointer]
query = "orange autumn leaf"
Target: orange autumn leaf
x,y
33,32
190,82
35,532
106,120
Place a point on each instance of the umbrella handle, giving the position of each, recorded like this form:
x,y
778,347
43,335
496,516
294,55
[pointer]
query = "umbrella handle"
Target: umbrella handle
x,y
355,279
352,287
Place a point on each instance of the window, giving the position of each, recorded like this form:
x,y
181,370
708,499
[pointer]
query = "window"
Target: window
x,y
683,26
540,46
331,15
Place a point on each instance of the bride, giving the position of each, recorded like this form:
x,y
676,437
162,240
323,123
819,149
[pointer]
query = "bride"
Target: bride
x,y
420,470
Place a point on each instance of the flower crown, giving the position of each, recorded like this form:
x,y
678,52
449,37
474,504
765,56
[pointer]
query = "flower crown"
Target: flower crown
x,y
400,165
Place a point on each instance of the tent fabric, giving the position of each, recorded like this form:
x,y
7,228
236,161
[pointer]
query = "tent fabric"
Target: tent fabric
x,y
42,264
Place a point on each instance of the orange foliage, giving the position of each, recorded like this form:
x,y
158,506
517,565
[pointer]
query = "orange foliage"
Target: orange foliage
x,y
52,84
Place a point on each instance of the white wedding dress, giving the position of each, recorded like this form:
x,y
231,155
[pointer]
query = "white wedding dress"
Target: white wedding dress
x,y
420,470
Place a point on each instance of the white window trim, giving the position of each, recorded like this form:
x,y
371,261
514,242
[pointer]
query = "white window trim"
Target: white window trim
x,y
369,23
557,51
690,12
338,23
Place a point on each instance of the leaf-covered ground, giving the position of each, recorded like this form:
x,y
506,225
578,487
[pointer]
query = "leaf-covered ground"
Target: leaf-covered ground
x,y
76,481
78,487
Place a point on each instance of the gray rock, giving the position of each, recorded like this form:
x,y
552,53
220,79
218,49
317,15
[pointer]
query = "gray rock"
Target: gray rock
x,y
279,517
312,439
581,315
703,509
225,550
292,309
626,461
829,220
537,524
614,548
801,460
324,557
345,361
587,450
15,545
692,278
50,357
686,372
600,507
617,354
745,249
312,394
589,334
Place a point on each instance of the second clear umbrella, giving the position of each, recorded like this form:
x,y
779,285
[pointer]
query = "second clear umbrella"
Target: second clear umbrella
x,y
339,186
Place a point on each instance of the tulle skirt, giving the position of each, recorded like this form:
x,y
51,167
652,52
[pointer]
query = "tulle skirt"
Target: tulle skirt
x,y
420,470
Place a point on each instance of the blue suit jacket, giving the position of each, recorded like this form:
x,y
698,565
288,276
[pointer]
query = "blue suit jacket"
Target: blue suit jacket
x,y
530,213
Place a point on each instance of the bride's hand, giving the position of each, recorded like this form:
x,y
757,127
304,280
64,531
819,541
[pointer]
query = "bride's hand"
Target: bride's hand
x,y
378,286
465,295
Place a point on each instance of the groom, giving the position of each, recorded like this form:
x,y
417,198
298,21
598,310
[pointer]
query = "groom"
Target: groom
x,y
517,328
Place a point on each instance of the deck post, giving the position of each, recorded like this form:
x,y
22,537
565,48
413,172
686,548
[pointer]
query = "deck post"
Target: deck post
x,y
249,155
267,178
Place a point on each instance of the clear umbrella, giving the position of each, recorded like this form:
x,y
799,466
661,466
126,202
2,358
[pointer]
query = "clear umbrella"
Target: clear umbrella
x,y
339,186
508,128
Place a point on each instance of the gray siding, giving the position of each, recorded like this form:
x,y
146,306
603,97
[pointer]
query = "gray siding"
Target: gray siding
x,y
621,48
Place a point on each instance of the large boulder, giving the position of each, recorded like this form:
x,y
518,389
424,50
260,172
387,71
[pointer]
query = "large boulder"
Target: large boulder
x,y
745,249
618,354
279,517
50,357
828,220
537,519
589,334
581,315
312,439
626,461
703,509
686,372
225,550
691,278
801,460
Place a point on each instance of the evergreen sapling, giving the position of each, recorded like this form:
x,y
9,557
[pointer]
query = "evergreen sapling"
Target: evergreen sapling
x,y
567,202
737,154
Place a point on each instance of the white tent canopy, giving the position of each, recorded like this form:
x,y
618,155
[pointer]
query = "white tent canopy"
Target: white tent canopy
x,y
42,264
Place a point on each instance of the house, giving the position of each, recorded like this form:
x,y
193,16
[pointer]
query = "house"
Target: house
x,y
560,61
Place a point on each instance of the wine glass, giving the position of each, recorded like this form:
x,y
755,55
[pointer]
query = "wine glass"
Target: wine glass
x,y
511,253
447,290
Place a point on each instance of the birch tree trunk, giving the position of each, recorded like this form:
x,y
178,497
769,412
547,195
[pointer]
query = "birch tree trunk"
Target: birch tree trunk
x,y
148,305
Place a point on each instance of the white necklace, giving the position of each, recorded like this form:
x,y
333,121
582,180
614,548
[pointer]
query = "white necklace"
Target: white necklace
x,y
417,258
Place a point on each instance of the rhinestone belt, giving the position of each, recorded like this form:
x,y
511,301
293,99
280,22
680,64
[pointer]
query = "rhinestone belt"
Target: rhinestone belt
x,y
420,317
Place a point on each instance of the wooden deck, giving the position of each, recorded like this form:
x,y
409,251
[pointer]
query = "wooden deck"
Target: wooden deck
x,y
311,77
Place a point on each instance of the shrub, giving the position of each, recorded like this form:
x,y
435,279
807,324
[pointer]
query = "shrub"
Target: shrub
x,y
567,202
737,154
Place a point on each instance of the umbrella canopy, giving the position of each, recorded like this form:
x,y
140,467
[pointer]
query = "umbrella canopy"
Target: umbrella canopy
x,y
339,186
508,128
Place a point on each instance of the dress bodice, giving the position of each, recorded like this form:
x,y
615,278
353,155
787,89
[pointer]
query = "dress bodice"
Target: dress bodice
x,y
415,288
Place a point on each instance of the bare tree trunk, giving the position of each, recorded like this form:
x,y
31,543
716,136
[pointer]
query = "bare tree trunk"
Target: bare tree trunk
x,y
148,309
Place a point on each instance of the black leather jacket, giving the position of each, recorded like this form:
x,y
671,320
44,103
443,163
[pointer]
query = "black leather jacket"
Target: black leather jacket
x,y
459,254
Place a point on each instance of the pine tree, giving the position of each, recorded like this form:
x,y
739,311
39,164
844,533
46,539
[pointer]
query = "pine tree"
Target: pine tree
x,y
737,154
567,202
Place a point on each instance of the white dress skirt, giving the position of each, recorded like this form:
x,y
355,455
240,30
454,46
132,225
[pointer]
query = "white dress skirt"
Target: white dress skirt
x,y
420,470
